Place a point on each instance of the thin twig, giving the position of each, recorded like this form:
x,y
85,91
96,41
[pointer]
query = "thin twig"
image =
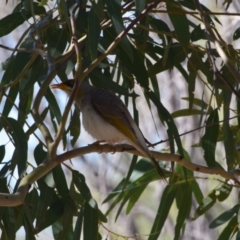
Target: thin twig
x,y
77,83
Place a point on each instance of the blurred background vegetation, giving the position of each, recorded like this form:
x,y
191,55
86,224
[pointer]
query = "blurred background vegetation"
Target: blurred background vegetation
x,y
174,64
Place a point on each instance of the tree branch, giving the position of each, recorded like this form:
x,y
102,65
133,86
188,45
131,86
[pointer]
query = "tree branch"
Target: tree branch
x,y
17,198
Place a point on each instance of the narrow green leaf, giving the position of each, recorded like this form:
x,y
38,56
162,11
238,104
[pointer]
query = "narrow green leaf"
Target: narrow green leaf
x,y
223,192
8,220
80,183
224,217
39,154
209,140
210,15
134,198
25,104
154,81
162,29
12,21
206,204
119,196
52,215
200,103
28,223
60,181
64,13
33,128
114,10
125,197
4,170
90,223
37,73
236,34
98,7
74,126
45,199
5,64
67,220
140,6
167,118
188,4
56,229
31,201
197,192
191,87
57,40
176,55
228,140
130,170
198,33
18,63
43,2
20,141
186,112
168,196
9,103
2,152
53,105
229,230
78,226
179,21
184,207
93,33
100,80
115,191
128,66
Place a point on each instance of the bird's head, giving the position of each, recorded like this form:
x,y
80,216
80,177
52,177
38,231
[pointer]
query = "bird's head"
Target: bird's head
x,y
67,87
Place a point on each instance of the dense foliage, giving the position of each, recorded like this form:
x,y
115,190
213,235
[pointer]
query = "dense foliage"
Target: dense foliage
x,y
121,46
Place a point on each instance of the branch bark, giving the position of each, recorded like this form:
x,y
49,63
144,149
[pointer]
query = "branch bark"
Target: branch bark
x,y
17,198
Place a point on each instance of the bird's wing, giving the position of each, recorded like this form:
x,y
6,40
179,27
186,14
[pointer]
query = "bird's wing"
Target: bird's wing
x,y
112,109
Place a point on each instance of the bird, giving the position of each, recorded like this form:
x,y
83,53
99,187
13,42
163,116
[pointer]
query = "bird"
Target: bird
x,y
107,119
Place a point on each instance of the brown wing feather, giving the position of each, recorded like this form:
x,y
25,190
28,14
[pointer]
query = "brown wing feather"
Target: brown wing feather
x,y
120,118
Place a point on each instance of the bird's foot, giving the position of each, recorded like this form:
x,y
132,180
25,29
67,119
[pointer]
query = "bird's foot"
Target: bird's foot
x,y
98,143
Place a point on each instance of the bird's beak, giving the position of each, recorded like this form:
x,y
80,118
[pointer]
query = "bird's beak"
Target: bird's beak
x,y
61,86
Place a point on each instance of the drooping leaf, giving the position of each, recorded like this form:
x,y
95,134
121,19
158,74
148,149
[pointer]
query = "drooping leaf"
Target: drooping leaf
x,y
74,126
179,22
166,202
224,217
53,105
186,112
184,206
2,152
12,21
78,226
114,10
229,230
90,223
236,34
20,141
206,204
93,34
176,55
223,192
228,139
198,33
209,140
80,183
